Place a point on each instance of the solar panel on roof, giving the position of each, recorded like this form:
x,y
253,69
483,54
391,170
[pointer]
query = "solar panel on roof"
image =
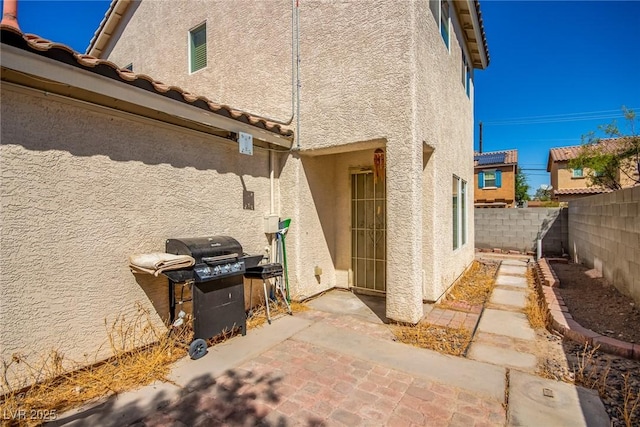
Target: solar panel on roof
x,y
491,159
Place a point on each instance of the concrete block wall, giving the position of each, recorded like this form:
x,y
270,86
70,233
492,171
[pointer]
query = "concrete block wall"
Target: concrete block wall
x,y
604,233
519,229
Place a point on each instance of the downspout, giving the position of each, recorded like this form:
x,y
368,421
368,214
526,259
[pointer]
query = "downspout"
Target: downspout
x,y
295,59
272,200
297,75
10,14
295,108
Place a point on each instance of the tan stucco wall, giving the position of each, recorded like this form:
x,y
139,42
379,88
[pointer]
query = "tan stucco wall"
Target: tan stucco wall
x,y
506,193
248,50
554,175
443,118
370,71
564,177
81,191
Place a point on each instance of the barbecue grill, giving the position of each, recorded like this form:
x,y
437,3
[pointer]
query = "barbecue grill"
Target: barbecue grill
x,y
217,286
264,272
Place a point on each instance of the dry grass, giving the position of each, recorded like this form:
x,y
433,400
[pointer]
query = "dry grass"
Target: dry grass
x,y
535,309
141,352
587,373
452,341
475,286
630,406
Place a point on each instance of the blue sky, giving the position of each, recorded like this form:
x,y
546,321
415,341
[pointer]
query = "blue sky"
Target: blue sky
x,y
551,63
564,59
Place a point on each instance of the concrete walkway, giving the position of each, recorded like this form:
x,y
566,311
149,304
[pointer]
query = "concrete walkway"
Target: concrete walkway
x,y
338,365
503,336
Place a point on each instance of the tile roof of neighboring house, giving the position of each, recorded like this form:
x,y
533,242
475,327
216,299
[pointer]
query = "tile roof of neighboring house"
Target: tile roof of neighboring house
x,y
62,53
510,158
117,9
585,190
564,154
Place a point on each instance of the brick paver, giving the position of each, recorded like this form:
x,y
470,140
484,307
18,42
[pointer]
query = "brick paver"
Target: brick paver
x,y
324,388
454,318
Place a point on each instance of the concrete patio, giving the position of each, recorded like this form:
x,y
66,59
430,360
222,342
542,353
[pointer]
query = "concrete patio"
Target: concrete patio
x,y
338,364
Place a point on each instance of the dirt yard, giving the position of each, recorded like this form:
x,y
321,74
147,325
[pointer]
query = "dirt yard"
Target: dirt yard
x,y
596,304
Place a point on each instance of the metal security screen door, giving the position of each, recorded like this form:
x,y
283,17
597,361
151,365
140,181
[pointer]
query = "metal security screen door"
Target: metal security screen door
x,y
368,232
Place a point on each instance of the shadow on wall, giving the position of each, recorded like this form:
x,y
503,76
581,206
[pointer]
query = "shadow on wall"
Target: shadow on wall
x,y
320,174
86,133
554,232
237,397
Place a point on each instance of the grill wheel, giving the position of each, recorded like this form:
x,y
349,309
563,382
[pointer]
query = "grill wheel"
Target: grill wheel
x,y
197,348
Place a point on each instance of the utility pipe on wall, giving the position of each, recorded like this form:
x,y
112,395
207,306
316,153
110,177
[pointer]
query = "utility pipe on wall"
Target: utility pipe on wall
x,y
297,75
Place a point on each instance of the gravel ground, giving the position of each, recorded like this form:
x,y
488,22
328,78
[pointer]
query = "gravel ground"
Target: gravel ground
x,y
600,307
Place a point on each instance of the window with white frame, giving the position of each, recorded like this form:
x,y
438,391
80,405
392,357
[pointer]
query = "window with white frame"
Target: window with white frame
x,y
578,173
459,212
440,10
198,48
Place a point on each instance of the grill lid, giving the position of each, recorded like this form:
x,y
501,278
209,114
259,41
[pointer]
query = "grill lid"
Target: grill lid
x,y
210,250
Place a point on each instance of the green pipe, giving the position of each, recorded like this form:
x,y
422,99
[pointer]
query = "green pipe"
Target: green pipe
x,y
284,227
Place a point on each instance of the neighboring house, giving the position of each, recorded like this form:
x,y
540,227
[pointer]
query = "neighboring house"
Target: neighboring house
x,y
495,179
572,183
380,95
100,162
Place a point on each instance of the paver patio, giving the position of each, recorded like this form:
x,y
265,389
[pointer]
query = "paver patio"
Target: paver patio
x,y
338,365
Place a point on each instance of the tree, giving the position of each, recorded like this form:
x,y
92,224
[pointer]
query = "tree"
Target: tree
x,y
612,161
522,188
543,193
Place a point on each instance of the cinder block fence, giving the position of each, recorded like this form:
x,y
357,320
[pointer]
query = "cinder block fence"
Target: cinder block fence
x,y
604,233
519,229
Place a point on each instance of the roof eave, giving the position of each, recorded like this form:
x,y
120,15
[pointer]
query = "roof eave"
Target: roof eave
x,y
495,165
107,27
477,43
99,88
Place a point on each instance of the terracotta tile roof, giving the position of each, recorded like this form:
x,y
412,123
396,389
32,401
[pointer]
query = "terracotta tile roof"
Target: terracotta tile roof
x,y
563,154
586,190
62,53
102,25
510,157
484,36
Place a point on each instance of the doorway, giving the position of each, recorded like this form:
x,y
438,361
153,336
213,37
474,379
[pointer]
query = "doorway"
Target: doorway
x,y
368,232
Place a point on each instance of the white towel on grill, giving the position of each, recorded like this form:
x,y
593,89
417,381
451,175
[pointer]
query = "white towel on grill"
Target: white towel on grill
x,y
157,262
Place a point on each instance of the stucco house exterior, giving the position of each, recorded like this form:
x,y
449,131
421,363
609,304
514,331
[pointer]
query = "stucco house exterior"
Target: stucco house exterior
x,y
352,78
568,183
97,164
495,179
362,121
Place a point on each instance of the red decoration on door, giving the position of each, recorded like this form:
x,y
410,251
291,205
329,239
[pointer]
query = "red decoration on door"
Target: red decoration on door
x,y
378,165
